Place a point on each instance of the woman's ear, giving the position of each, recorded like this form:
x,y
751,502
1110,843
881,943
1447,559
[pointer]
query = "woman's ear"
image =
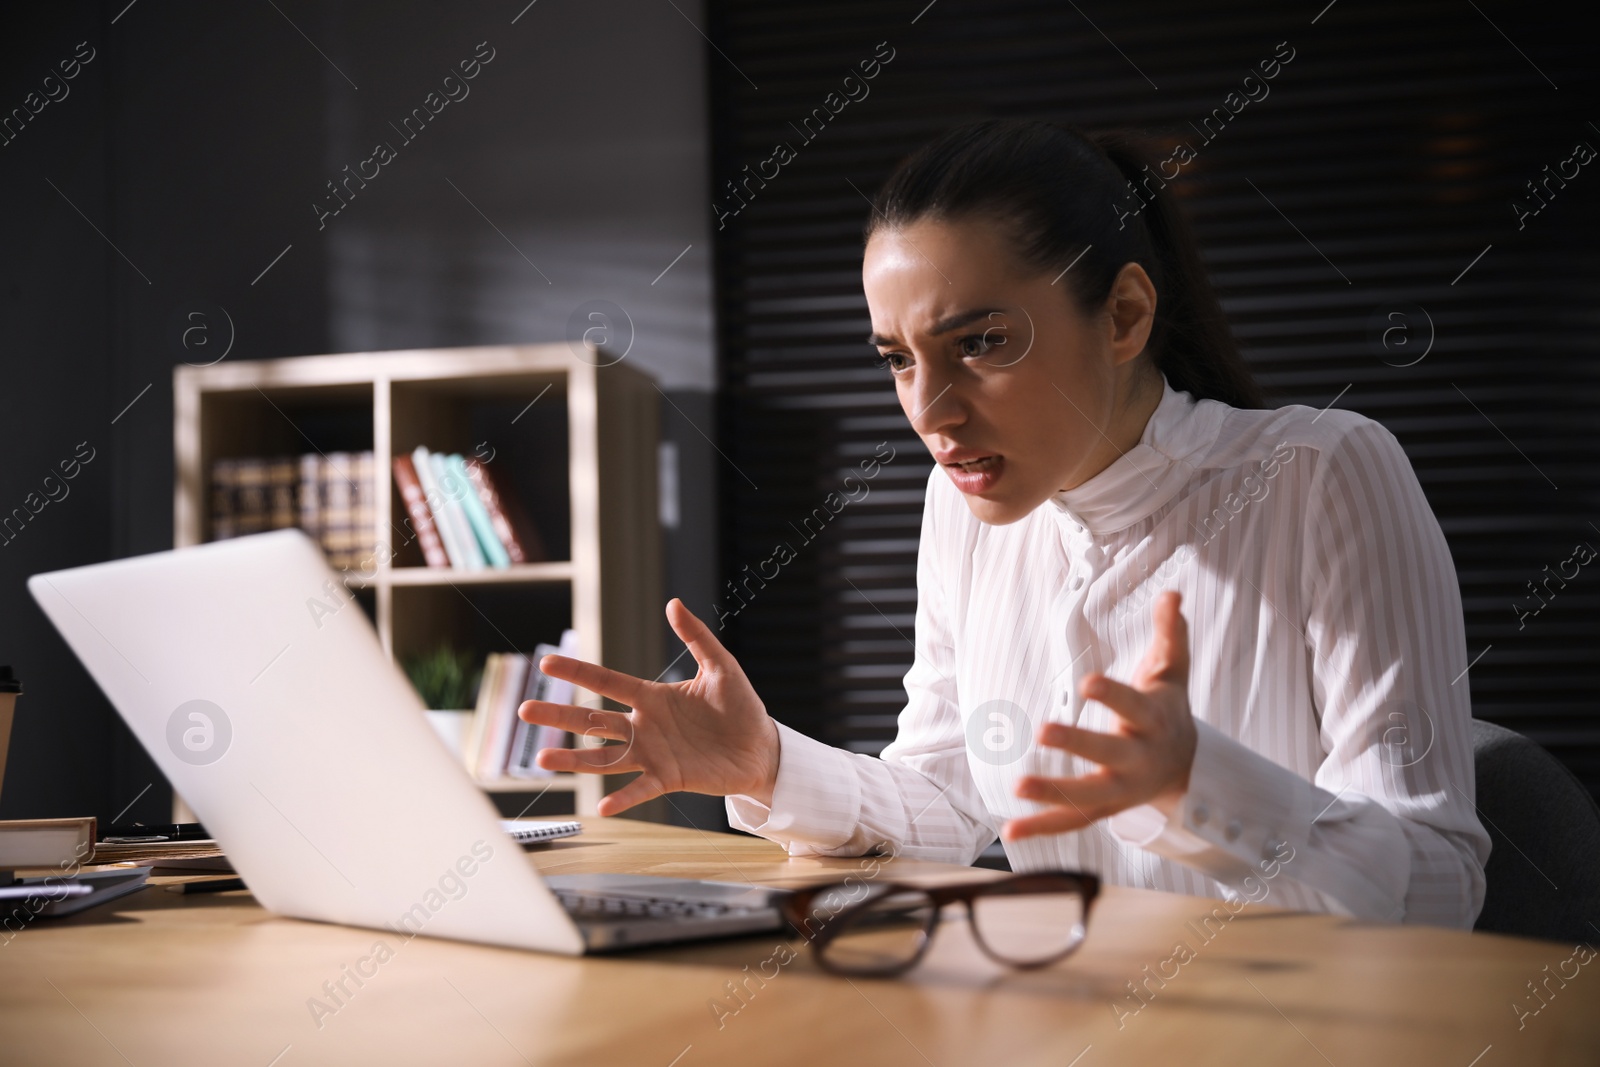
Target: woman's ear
x,y
1131,307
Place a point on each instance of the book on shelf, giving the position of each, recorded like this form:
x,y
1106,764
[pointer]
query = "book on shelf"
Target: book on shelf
x,y
224,494
338,507
483,710
462,490
433,500
421,519
510,522
310,496
283,489
460,542
499,744
332,498
462,514
528,737
363,544
345,484
496,716
251,513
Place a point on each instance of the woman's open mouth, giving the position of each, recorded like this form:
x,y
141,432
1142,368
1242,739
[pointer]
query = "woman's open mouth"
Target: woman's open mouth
x,y
976,475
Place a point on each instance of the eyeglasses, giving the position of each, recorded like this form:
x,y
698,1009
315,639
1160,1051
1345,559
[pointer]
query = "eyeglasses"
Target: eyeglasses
x,y
882,929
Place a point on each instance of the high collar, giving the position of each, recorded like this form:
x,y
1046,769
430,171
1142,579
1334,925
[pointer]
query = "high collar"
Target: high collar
x,y
1178,435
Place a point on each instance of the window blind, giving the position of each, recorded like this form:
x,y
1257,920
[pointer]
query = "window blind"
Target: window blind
x,y
1380,222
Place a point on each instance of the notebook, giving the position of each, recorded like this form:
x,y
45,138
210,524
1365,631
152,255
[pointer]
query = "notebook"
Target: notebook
x,y
45,842
529,831
155,852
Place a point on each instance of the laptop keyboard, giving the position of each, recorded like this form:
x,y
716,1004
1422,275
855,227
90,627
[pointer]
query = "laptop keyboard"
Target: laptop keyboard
x,y
592,905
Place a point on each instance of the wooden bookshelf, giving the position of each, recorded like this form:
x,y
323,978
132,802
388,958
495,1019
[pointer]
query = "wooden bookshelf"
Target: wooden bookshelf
x,y
578,435
559,571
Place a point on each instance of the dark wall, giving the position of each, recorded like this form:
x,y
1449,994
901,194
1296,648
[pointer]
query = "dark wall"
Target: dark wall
x,y
198,141
58,389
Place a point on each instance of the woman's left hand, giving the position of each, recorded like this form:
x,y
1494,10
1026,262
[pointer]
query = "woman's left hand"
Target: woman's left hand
x,y
1146,759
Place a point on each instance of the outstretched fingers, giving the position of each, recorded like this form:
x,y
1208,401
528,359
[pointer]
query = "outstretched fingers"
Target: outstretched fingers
x,y
623,688
1167,659
612,759
703,645
1134,706
1094,746
1076,802
586,722
636,792
1054,821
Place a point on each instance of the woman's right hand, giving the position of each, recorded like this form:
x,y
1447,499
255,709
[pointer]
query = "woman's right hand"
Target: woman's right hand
x,y
710,734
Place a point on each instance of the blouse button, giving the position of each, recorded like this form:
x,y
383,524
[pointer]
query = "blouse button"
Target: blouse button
x,y
1200,814
1234,829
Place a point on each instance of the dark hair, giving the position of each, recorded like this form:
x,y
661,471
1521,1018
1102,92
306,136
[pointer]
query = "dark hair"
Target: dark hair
x,y
1066,198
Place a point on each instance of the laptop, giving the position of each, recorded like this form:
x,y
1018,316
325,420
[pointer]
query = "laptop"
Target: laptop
x,y
257,684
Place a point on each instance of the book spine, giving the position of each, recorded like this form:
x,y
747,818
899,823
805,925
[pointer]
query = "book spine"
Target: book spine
x,y
525,745
551,737
525,749
489,498
533,737
560,691
520,761
224,493
416,502
422,461
480,716
311,495
46,842
505,675
494,553
339,507
281,478
451,490
364,540
251,515
503,720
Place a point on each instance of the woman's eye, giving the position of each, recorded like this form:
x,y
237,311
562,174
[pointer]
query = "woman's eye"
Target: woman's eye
x,y
980,344
894,361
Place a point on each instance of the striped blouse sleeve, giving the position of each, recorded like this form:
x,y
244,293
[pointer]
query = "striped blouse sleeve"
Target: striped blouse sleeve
x,y
1387,830
919,798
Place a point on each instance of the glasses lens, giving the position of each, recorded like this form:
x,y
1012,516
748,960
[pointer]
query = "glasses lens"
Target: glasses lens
x,y
1030,925
882,932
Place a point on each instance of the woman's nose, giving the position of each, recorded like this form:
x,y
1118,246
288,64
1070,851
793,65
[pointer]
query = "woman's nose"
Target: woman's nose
x,y
934,404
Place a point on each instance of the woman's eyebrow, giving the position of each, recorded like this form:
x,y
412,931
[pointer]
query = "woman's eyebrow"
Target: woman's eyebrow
x,y
944,325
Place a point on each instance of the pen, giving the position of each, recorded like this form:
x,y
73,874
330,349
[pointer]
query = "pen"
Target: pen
x,y
178,831
211,885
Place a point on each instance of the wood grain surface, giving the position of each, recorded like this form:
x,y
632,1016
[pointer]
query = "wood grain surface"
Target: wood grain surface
x,y
164,978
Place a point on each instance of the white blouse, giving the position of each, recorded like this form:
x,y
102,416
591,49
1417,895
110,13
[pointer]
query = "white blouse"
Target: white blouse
x,y
1333,770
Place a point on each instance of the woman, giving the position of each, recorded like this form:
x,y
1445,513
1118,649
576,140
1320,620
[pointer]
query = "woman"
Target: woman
x,y
1103,460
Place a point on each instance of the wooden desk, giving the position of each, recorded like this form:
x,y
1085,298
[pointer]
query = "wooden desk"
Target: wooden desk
x,y
162,978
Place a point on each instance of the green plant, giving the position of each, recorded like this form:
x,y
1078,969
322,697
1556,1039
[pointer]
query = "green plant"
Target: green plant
x,y
444,678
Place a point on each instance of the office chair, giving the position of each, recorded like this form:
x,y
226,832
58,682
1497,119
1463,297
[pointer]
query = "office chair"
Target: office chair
x,y
1543,875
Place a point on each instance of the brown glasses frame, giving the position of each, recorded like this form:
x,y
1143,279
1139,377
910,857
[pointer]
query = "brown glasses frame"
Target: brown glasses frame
x,y
798,911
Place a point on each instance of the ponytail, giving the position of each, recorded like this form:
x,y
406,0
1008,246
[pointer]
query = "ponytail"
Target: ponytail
x,y
1087,202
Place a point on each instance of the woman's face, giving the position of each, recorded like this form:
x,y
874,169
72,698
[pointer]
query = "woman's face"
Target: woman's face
x,y
1016,393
